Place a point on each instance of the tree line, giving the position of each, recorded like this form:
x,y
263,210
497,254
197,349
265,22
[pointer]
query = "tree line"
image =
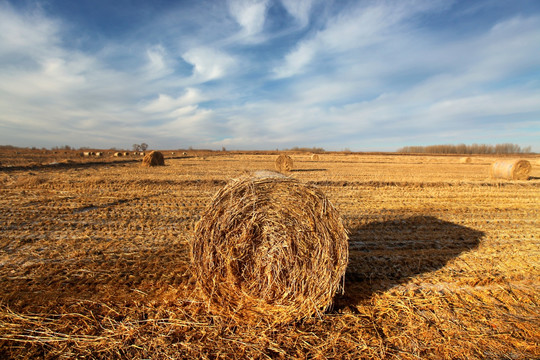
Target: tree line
x,y
466,149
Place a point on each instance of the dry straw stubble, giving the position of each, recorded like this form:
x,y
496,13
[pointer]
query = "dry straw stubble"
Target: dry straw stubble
x,y
269,248
154,158
511,169
284,163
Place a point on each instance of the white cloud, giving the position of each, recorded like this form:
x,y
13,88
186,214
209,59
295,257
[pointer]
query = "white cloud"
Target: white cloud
x,y
26,33
208,64
296,61
299,9
353,29
166,104
157,66
371,72
249,14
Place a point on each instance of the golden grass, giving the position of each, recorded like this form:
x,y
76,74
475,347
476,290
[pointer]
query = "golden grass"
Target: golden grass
x,y
443,263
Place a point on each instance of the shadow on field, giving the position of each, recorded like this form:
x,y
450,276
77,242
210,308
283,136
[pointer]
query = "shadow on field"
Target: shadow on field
x,y
388,253
307,170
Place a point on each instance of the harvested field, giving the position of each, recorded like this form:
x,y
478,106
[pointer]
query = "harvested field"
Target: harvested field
x,y
444,261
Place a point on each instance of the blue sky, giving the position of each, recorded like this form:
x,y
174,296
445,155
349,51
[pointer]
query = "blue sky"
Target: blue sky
x,y
267,74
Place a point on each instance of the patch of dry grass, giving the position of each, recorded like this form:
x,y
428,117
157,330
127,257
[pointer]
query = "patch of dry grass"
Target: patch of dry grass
x,y
444,262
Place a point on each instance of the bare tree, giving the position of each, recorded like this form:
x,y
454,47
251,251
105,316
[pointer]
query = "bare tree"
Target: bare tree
x,y
144,146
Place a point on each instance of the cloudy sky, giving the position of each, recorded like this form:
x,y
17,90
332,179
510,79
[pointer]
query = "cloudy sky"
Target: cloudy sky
x,y
267,74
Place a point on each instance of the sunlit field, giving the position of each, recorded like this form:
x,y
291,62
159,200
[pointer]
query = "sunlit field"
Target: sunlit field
x,y
94,259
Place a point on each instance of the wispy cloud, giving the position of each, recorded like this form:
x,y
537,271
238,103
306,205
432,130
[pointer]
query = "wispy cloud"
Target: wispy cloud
x,y
274,73
353,31
249,14
299,9
208,64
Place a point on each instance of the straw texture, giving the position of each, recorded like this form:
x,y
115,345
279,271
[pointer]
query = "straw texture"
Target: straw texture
x,y
284,163
154,158
511,169
270,249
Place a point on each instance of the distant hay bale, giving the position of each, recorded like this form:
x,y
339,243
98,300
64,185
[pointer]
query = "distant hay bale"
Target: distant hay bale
x,y
315,157
184,153
269,248
284,163
153,158
510,169
465,160
98,154
126,154
117,154
86,153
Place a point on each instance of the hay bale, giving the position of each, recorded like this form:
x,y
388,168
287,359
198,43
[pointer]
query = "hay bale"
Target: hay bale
x,y
269,248
284,163
117,154
153,158
315,157
465,160
510,169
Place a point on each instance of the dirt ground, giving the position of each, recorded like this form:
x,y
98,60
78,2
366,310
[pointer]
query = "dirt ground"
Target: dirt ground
x,y
94,259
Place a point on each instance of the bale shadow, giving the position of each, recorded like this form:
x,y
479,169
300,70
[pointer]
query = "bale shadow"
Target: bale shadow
x,y
387,253
307,170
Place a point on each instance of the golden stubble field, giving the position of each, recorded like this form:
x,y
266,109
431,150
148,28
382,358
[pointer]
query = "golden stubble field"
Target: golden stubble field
x,y
94,260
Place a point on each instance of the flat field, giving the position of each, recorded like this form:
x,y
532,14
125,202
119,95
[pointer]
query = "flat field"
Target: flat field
x,y
94,259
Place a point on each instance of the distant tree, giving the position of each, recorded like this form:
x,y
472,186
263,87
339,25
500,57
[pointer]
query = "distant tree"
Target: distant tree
x,y
136,147
144,146
466,149
305,149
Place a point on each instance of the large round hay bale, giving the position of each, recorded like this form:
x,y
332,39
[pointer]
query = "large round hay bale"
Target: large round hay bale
x,y
510,169
284,163
465,160
153,158
269,248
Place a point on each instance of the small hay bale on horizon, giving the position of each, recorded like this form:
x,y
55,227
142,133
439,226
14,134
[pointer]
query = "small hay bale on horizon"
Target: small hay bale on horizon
x,y
153,158
315,157
510,169
269,248
284,163
465,160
